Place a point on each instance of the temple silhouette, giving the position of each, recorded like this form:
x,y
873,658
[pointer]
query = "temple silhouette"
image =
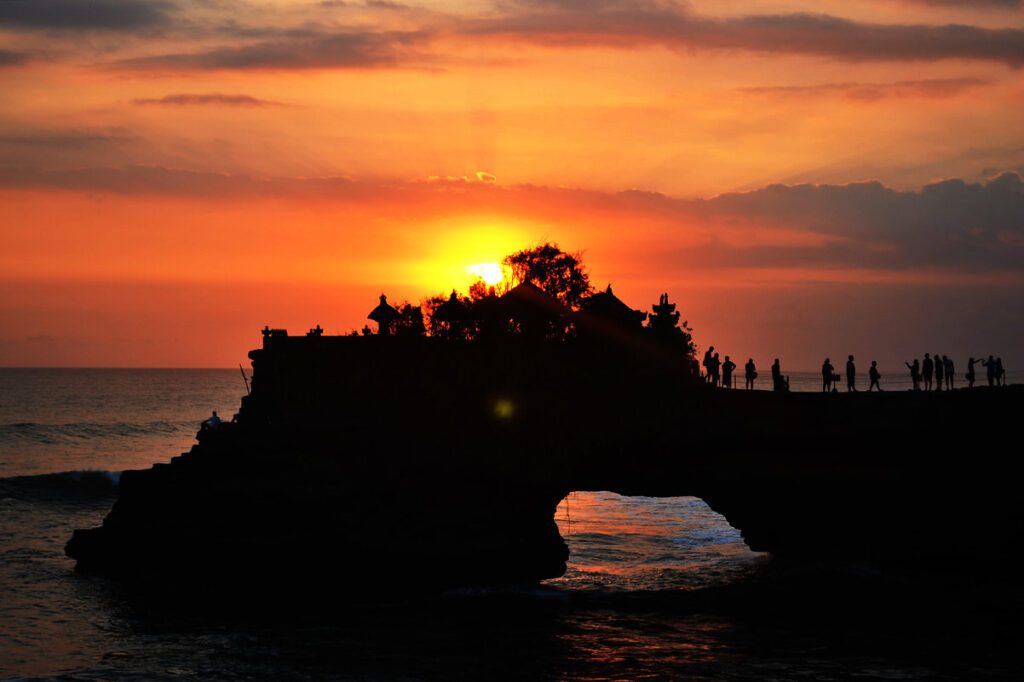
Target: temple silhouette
x,y
449,439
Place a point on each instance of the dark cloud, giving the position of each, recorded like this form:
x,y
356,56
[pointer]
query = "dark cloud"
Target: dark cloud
x,y
352,50
22,148
558,23
159,180
214,98
390,6
976,227
931,88
972,4
114,15
615,24
63,139
12,58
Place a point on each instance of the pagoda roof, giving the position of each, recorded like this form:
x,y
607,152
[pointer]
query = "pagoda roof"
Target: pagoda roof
x,y
384,312
451,310
528,298
607,304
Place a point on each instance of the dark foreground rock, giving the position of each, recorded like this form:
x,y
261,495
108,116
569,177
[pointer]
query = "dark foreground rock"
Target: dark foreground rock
x,y
425,464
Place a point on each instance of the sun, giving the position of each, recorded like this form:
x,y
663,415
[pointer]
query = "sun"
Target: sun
x,y
490,273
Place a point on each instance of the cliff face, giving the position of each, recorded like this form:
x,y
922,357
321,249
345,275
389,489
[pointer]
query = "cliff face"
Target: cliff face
x,y
398,459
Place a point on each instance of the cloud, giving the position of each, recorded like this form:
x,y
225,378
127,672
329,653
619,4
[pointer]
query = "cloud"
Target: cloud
x,y
974,4
567,23
352,50
973,226
64,139
213,98
12,58
400,36
112,15
954,225
159,180
929,88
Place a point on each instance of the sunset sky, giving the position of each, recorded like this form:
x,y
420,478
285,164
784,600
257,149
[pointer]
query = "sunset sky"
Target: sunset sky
x,y
803,178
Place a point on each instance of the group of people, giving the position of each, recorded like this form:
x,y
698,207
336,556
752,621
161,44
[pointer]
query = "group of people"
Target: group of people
x,y
941,368
721,373
830,380
934,373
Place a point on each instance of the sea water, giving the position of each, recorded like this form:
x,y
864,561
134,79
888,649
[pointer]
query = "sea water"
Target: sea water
x,y
655,588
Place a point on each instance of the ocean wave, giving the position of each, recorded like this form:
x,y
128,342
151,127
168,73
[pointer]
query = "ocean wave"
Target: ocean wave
x,y
87,482
51,434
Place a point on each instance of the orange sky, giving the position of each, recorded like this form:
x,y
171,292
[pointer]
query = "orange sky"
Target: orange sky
x,y
803,178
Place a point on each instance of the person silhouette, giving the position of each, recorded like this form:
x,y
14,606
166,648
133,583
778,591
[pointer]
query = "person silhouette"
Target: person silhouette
x,y
915,373
708,355
750,373
1000,373
212,422
940,372
874,375
990,366
827,370
851,375
714,364
971,376
949,371
776,375
927,368
727,368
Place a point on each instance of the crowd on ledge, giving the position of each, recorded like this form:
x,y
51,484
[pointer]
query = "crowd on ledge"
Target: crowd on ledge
x,y
934,373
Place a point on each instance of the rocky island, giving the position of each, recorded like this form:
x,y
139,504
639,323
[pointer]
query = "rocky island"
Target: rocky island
x,y
354,457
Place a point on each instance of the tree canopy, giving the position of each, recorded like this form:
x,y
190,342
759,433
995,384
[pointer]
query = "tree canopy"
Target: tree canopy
x,y
559,273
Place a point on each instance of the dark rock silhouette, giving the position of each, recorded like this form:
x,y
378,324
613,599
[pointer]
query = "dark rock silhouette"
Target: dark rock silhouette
x,y
355,455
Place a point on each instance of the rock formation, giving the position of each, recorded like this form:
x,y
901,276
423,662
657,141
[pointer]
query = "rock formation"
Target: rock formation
x,y
427,463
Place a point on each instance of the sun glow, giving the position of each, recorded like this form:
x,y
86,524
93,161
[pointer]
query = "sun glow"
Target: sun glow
x,y
490,273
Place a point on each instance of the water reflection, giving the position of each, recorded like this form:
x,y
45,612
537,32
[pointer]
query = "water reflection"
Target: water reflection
x,y
645,543
656,589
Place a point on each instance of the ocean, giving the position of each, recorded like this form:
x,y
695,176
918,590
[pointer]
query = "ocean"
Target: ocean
x,y
655,589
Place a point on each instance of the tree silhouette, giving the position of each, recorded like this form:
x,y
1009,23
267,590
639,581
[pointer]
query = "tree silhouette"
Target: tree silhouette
x,y
558,273
454,321
410,320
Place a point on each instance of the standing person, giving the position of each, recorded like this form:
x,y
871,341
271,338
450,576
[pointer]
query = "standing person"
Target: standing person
x,y
750,373
990,367
827,370
851,375
714,364
708,354
915,373
1000,373
949,370
727,368
776,375
874,376
940,371
970,371
927,368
